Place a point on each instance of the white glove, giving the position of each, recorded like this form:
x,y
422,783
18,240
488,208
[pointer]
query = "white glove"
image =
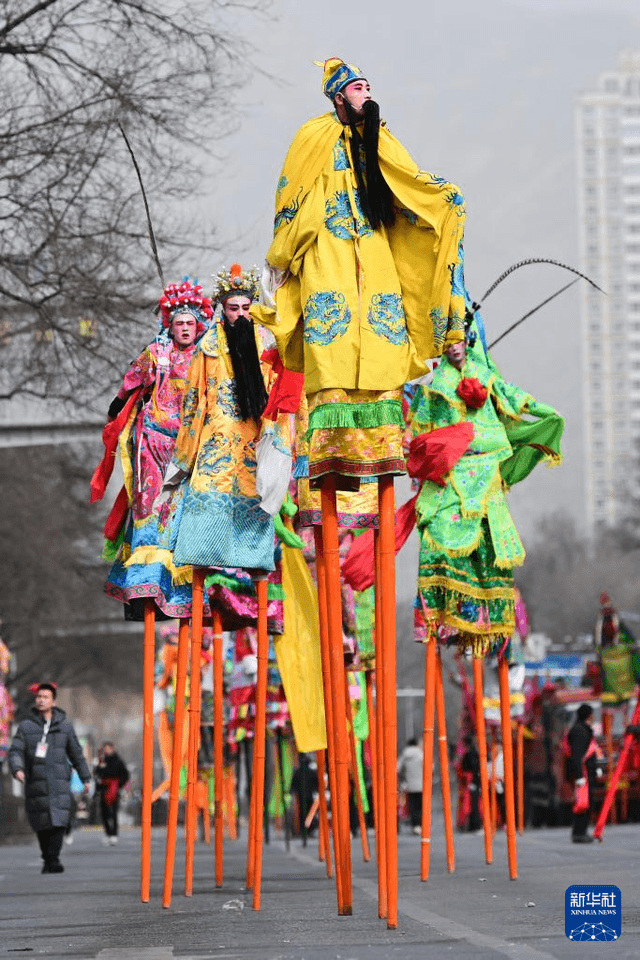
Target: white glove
x,y
581,782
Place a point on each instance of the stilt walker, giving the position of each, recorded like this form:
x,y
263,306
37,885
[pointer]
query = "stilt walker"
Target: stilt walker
x,y
348,308
176,761
144,419
469,545
229,472
218,745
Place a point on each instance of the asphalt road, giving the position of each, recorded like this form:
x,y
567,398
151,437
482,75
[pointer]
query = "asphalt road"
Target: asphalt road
x,y
93,909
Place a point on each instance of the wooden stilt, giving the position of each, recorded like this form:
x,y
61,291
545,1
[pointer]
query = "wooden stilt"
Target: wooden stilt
x,y
520,766
323,618
443,747
373,754
230,804
607,723
494,781
427,752
251,827
323,830
340,801
388,664
218,746
357,792
610,795
176,761
148,668
481,734
507,751
259,744
194,724
379,773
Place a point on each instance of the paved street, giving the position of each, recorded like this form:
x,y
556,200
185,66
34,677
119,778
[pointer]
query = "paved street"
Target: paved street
x,y
93,910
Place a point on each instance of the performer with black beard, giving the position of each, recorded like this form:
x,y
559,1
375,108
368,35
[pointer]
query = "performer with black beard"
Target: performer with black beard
x,y
363,282
216,515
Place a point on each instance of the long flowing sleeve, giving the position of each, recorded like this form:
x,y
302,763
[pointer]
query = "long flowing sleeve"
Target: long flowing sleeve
x,y
194,408
141,373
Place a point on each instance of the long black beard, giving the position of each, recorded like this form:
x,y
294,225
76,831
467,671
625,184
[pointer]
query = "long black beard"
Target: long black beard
x,y
250,391
375,194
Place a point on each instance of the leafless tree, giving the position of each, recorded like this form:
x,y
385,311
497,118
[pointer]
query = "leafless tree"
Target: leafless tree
x,y
76,275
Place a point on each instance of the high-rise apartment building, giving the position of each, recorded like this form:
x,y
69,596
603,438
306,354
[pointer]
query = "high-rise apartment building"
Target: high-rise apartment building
x,y
608,136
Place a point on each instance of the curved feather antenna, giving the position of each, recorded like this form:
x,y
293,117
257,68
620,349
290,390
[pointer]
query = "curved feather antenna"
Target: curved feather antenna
x,y
152,236
533,260
531,312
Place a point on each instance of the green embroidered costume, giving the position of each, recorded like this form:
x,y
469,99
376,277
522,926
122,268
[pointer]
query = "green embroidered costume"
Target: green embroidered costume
x,y
469,544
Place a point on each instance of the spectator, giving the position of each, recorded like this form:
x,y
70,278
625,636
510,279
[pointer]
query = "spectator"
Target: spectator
x,y
111,775
583,759
43,750
410,773
470,767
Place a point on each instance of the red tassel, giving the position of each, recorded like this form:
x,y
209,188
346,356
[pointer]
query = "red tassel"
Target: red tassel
x,y
472,392
110,435
118,515
358,568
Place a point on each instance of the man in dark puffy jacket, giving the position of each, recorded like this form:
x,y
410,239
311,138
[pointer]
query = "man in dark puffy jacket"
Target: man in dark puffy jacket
x,y
584,768
43,751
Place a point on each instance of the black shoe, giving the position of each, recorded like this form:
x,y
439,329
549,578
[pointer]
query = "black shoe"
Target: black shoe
x,y
56,868
45,868
582,838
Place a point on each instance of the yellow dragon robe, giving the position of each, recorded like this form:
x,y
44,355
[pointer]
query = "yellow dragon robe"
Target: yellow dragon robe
x,y
358,310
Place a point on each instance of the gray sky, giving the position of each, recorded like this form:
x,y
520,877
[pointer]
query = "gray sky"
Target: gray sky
x,y
484,94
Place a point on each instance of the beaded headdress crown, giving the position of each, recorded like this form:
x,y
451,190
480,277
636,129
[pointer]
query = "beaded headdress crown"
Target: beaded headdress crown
x,y
235,282
185,296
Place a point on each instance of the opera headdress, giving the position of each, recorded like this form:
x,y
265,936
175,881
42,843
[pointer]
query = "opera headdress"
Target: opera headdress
x,y
337,74
235,282
185,297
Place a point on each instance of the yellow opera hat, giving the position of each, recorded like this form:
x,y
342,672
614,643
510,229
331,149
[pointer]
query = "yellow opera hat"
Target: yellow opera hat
x,y
337,74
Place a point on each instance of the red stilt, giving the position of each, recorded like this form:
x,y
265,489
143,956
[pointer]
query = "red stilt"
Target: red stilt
x,y
427,750
323,618
340,802
323,813
388,664
194,724
218,743
364,840
379,774
176,761
615,779
444,765
373,755
507,752
148,668
520,765
481,734
259,742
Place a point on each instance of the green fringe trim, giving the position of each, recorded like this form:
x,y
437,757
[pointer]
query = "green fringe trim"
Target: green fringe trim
x,y
275,591
111,548
358,416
